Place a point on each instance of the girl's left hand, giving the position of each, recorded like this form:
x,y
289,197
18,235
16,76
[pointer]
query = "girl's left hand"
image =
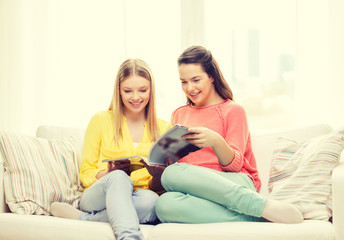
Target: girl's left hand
x,y
202,137
156,172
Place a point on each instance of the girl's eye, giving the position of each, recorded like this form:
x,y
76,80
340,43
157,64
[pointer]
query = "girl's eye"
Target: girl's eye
x,y
143,91
127,91
196,80
183,82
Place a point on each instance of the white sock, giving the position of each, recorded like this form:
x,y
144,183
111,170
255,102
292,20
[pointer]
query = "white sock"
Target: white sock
x,y
64,210
281,212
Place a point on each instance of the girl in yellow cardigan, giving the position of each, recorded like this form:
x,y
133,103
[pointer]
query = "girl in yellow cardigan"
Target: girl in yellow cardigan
x,y
117,192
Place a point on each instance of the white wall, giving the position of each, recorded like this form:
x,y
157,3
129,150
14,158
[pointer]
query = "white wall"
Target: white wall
x,y
311,83
153,33
320,59
336,62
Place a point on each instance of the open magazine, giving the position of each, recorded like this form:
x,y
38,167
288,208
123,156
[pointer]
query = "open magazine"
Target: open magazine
x,y
170,145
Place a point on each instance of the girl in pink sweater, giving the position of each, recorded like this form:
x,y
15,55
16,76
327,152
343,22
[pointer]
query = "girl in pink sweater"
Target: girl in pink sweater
x,y
220,182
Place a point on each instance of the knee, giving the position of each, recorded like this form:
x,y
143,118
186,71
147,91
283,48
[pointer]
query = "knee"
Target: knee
x,y
171,175
118,177
117,174
146,199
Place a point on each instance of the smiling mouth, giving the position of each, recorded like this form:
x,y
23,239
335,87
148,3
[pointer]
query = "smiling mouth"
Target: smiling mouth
x,y
194,95
136,104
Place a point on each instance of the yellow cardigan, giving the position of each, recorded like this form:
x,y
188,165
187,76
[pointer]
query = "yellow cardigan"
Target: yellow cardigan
x,y
99,145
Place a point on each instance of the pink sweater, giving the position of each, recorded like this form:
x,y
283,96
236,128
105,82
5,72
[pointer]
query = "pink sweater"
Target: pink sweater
x,y
229,120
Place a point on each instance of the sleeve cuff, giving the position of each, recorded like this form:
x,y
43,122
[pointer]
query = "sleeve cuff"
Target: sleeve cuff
x,y
235,165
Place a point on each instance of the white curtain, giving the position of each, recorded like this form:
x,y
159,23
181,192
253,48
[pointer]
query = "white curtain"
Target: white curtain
x,y
59,61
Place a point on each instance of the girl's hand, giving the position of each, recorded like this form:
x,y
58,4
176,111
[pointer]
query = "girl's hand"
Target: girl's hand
x,y
123,165
202,137
156,171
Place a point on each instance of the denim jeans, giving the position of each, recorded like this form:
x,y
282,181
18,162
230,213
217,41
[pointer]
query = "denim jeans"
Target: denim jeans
x,y
111,199
202,195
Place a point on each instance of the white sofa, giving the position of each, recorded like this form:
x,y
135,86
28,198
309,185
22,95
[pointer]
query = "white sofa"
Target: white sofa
x,y
36,227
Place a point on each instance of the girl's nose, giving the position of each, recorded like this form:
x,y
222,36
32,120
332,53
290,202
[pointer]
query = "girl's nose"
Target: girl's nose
x,y
135,96
191,87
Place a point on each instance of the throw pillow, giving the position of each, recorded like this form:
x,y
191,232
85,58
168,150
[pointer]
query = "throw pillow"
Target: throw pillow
x,y
301,173
38,172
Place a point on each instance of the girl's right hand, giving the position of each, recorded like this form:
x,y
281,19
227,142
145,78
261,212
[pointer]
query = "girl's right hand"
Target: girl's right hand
x,y
202,137
123,165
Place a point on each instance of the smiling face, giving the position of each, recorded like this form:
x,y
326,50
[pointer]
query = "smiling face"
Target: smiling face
x,y
197,85
135,93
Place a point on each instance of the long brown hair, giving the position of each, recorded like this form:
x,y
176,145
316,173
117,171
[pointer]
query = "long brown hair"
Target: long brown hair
x,y
128,68
202,56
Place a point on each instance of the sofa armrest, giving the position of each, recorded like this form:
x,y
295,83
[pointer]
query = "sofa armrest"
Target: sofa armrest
x,y
3,205
338,199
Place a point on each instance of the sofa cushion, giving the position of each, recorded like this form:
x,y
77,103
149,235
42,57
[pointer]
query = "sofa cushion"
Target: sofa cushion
x,y
33,227
38,171
263,142
308,230
301,173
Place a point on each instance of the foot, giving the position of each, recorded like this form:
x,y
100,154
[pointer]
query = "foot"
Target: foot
x,y
64,210
281,212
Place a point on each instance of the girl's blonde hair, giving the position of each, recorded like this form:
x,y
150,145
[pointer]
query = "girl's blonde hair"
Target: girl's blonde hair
x,y
128,68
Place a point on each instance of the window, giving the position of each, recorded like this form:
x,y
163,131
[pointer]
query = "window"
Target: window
x,y
255,44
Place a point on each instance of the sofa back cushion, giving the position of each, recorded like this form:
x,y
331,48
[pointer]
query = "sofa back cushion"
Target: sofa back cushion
x,y
48,131
38,171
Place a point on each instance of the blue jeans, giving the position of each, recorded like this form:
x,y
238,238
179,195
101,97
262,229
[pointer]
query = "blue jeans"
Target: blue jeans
x,y
111,199
202,195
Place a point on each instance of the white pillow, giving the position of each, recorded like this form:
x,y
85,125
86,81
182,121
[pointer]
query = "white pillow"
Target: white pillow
x,y
301,173
38,172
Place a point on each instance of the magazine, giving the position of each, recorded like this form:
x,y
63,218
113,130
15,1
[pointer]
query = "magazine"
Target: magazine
x,y
170,145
